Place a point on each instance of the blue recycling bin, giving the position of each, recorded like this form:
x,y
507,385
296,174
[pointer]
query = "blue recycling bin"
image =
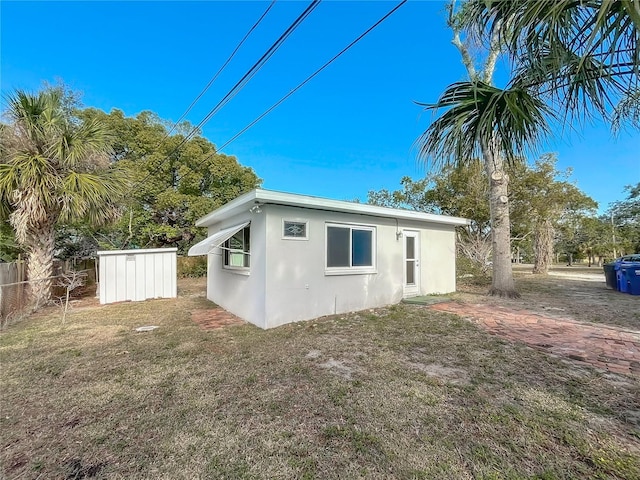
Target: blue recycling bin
x,y
610,275
621,277
632,275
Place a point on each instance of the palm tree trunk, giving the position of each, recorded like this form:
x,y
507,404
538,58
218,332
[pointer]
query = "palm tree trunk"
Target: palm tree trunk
x,y
543,246
502,278
41,245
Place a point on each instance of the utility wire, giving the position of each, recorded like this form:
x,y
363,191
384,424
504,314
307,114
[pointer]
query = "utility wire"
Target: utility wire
x,y
238,86
217,74
258,65
329,62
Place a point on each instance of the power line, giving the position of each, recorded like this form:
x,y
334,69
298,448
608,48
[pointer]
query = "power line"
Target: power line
x,y
217,74
329,62
238,86
260,63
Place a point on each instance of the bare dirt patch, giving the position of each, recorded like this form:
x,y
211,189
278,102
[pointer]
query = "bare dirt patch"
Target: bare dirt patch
x,y
455,376
339,367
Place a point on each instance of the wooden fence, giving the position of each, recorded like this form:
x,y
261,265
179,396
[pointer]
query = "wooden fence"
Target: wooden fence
x,y
12,289
14,284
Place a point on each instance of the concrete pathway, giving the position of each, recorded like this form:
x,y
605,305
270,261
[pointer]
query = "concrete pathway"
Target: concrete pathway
x,y
609,348
213,318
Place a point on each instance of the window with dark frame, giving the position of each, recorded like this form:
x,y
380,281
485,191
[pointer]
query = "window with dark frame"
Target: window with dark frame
x,y
236,250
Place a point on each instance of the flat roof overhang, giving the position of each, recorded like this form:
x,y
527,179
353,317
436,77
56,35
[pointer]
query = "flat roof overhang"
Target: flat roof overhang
x,y
270,197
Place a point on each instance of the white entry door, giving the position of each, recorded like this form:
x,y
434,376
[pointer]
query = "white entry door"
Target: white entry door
x,y
411,263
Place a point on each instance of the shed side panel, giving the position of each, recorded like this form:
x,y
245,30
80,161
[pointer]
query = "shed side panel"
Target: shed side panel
x,y
168,275
137,274
149,275
121,278
140,278
130,262
157,275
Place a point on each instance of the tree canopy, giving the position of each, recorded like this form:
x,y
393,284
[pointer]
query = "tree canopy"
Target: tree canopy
x,y
571,60
543,202
176,181
75,180
624,219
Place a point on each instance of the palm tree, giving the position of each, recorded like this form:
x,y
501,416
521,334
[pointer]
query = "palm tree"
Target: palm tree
x,y
479,120
571,59
53,169
483,121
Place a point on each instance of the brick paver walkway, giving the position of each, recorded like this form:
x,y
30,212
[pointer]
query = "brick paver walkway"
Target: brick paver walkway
x,y
605,347
213,318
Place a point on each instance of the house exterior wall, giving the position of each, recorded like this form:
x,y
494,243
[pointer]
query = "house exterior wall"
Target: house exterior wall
x,y
438,252
297,286
137,274
241,293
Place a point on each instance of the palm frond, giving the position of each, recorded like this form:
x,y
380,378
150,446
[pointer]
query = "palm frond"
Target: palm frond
x,y
627,112
476,114
576,86
89,141
586,51
92,196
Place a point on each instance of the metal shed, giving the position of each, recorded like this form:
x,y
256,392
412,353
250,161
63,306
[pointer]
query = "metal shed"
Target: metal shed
x,y
137,274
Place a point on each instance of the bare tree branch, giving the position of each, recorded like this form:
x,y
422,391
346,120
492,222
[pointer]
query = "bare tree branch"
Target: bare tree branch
x,y
467,61
492,56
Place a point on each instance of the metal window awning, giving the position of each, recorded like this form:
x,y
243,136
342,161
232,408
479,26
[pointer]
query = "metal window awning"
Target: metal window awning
x,y
207,245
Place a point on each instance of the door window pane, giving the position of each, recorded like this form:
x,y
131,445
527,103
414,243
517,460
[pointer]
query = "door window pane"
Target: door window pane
x,y
411,272
411,247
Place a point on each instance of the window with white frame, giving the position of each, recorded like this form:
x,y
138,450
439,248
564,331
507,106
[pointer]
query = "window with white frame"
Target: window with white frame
x,y
350,249
236,250
295,229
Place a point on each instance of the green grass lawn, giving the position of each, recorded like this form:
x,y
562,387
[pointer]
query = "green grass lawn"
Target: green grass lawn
x,y
402,392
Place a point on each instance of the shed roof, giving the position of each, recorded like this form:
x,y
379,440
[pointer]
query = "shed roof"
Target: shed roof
x,y
269,197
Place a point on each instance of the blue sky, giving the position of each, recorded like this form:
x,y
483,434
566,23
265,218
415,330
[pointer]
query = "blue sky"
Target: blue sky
x,y
348,131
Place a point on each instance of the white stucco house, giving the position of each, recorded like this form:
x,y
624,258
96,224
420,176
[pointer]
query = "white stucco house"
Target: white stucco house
x,y
276,258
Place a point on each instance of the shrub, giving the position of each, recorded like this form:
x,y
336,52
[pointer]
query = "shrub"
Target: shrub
x,y
471,272
192,267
